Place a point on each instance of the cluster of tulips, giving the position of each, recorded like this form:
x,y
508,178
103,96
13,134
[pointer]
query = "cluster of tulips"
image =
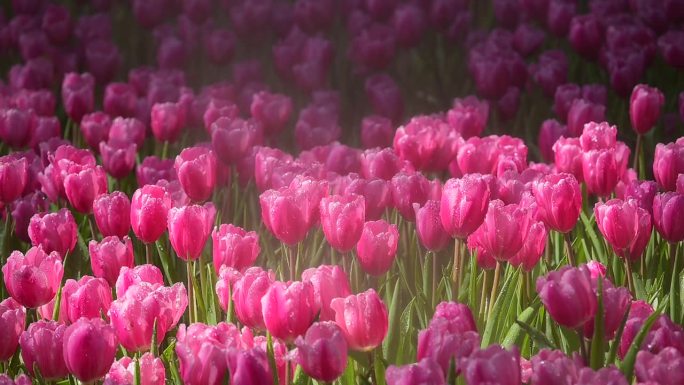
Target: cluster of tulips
x,y
351,192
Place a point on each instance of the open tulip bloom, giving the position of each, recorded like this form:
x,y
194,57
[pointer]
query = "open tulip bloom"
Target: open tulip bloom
x,y
331,192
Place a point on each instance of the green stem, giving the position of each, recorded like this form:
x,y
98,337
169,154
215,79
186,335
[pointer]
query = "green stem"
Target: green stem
x,y
148,253
637,154
293,265
583,347
137,369
492,293
191,299
58,297
434,278
455,271
165,149
571,252
483,295
630,279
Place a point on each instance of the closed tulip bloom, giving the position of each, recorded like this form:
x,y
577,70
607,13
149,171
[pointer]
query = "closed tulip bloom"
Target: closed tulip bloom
x,y
444,343
129,277
134,314
464,204
362,318
196,170
250,366
667,216
664,368
329,282
407,189
504,229
284,216
81,188
120,99
643,192
149,211
33,279
624,224
41,346
533,247
167,121
429,226
23,209
122,372
377,195
108,256
54,231
568,296
568,157
601,170
247,294
342,219
493,365
680,184
426,371
645,106
272,110
553,367
322,351
616,301
582,112
234,247
88,297
226,279
189,229
288,309
78,95
95,128
153,169
668,163
16,126
127,130
377,247
559,201
232,139
89,349
13,177
468,116
65,159
118,159
458,316
112,214
12,323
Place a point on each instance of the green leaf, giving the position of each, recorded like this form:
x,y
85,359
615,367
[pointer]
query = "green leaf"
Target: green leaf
x,y
630,358
515,334
379,367
271,358
349,375
389,345
165,261
300,378
618,337
538,337
598,339
503,299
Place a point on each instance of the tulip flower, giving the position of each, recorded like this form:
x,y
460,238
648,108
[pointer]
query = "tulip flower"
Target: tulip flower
x,y
118,159
602,169
568,157
189,229
129,277
13,177
21,379
54,231
288,309
667,218
460,318
227,277
273,111
464,204
95,128
234,247
426,371
108,256
126,131
668,163
23,209
202,352
247,294
149,210
376,131
283,214
232,139
322,351
122,372
533,247
153,169
41,346
112,214
329,282
167,122
582,112
665,367
559,200
83,187
377,247
444,344
88,297
645,106
408,189
81,340
342,218
362,318
33,279
250,366
643,192
196,170
12,323
504,229
626,226
568,296
493,365
553,367
377,195
78,95
616,301
429,226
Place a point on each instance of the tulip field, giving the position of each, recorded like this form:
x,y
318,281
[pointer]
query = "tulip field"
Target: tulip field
x,y
348,192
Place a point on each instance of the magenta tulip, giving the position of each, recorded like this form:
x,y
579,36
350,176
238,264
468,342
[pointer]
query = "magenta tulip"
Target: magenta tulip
x,y
342,218
645,106
377,247
377,195
122,372
322,351
95,128
559,200
504,229
153,169
108,256
624,225
493,365
329,282
533,247
129,277
13,177
376,131
668,163
664,368
167,121
232,139
33,279
553,367
202,352
126,131
445,344
196,170
88,297
288,309
616,301
189,229
83,187
464,205
112,214
667,218
603,168
568,157
41,346
54,231
12,323
283,214
429,226
234,247
568,296
118,159
426,371
362,318
407,189
149,211
247,294
273,111
89,349
78,95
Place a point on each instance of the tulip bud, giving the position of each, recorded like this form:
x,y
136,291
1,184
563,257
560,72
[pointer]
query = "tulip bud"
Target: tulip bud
x,y
126,131
329,282
581,112
149,211
626,226
13,177
342,218
645,106
232,139
376,131
83,338
362,318
167,122
196,170
553,367
12,324
493,365
112,214
122,372
41,346
273,111
95,128
559,200
234,247
82,187
568,296
118,159
533,247
189,229
464,204
247,294
202,352
108,257
288,309
322,352
603,168
616,301
153,169
377,247
667,216
54,231
132,276
429,226
665,367
668,163
120,99
284,216
568,157
504,229
78,95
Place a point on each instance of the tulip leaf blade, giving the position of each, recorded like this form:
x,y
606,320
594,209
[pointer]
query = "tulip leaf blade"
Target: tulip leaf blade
x,y
538,337
630,358
598,355
515,332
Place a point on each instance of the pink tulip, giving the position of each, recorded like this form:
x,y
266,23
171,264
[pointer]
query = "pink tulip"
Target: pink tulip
x,y
134,313
41,346
377,247
445,344
81,188
167,121
493,365
120,99
189,229
122,372
342,218
12,323
643,192
33,279
553,367
81,340
283,214
504,229
616,301
568,157
603,168
288,309
273,111
568,296
665,367
668,163
559,200
54,231
66,159
78,95
149,211
234,247
196,170
533,247
247,294
13,177
377,195
596,269
21,379
468,116
23,209
153,169
667,218
408,189
232,139
127,130
129,277
88,297
362,318
376,131
112,214
329,282
118,159
429,226
645,106
227,277
582,112
426,371
95,128
626,226
464,204
108,256
322,352
250,366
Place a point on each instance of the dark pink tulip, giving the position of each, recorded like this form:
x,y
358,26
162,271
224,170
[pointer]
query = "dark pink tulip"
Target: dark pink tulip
x,y
153,169
219,108
568,157
468,116
377,195
251,366
88,297
112,214
118,159
44,129
16,126
464,204
596,269
551,130
598,136
78,95
80,340
553,367
42,102
284,216
664,368
527,39
645,106
408,189
317,125
668,163
83,187
616,301
202,352
233,139
134,313
429,226
57,24
288,309
533,247
504,229
377,247
102,59
602,169
167,121
582,111
120,99
322,351
559,200
273,111
667,209
54,231
382,163
122,372
626,226
342,218
444,344
127,130
427,142
266,161
175,192
108,256
13,177
680,184
376,131
129,277
12,324
196,170
493,365
362,318
189,229
219,45
384,96
671,48
95,128
41,346
490,154
149,210
247,294
609,375
226,279
426,371
568,296
458,316
550,71
25,208
234,247
586,34
329,282
410,23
